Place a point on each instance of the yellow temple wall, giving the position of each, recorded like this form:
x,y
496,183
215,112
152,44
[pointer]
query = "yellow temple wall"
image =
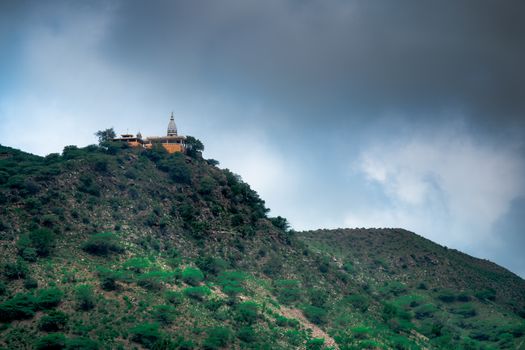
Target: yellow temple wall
x,y
173,147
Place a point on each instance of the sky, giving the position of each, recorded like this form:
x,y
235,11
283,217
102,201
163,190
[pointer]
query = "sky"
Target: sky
x,y
339,113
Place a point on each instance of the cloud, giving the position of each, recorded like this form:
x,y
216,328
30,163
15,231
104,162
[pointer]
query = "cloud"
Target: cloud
x,y
448,186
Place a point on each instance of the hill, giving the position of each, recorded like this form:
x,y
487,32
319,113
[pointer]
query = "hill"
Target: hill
x,y
111,247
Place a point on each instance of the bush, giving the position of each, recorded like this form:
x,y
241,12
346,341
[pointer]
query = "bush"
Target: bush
x,y
446,296
30,283
21,306
29,254
358,301
425,310
315,344
318,297
287,291
37,242
102,244
49,298
282,321
193,276
206,185
82,344
315,314
146,334
85,298
198,293
486,294
218,337
247,334
465,310
165,314
53,321
231,282
463,297
136,265
51,342
16,270
173,297
212,265
154,280
247,312
109,278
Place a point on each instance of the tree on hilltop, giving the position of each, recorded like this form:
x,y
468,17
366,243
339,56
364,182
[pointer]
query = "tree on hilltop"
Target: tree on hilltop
x,y
105,135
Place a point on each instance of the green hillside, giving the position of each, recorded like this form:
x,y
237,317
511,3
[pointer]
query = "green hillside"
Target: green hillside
x,y
108,247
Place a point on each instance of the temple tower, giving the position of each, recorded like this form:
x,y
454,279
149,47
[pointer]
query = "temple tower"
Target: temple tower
x,y
172,127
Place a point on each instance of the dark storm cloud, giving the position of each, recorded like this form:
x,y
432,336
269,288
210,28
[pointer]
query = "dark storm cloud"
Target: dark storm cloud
x,y
374,56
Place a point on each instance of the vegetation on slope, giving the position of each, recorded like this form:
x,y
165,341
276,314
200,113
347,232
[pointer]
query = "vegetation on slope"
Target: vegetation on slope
x,y
112,247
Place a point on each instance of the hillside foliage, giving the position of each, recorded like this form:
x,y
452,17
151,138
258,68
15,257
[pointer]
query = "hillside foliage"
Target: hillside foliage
x,y
110,247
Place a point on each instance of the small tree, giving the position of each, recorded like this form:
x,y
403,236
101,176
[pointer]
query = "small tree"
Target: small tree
x,y
192,276
42,240
105,135
194,147
85,297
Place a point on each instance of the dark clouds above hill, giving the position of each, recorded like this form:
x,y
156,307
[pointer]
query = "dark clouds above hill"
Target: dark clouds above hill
x,y
372,56
376,113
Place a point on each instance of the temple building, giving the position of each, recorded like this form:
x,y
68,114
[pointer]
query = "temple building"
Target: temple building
x,y
172,142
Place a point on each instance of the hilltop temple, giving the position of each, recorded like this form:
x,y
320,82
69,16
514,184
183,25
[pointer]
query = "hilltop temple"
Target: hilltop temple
x,y
172,142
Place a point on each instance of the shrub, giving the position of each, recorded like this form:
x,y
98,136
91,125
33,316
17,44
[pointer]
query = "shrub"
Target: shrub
x,y
282,321
109,278
87,185
30,283
82,344
198,293
154,280
212,265
287,291
281,223
465,310
486,294
192,276
146,334
51,342
464,297
361,332
395,288
53,321
178,170
165,314
315,314
318,297
425,310
49,298
136,264
446,296
102,244
206,185
29,254
315,344
85,298
247,312
231,282
173,297
21,306
218,337
3,288
247,334
358,301
16,270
